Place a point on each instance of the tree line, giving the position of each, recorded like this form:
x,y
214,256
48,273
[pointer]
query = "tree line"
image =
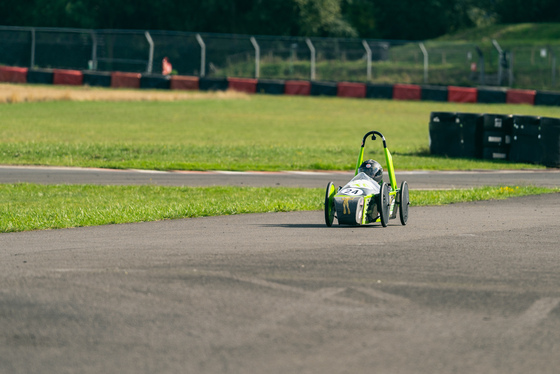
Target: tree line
x,y
383,19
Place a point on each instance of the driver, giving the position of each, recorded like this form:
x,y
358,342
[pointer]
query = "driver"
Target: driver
x,y
372,169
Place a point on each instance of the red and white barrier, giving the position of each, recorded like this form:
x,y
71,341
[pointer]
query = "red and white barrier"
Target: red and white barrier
x,y
68,77
125,80
297,88
182,82
407,92
247,85
462,94
348,89
514,96
12,74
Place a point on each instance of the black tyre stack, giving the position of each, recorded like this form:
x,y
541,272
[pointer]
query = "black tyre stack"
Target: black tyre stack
x,y
496,137
550,131
471,126
515,138
443,133
455,134
526,140
550,141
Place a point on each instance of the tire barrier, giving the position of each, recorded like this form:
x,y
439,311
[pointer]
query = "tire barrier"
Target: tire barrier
x,y
297,88
495,145
154,81
182,82
213,84
443,132
496,136
125,80
379,91
520,97
247,85
40,76
407,92
434,93
270,86
462,94
13,74
547,98
10,74
323,88
550,130
470,127
526,140
97,79
491,96
68,77
456,134
514,138
348,89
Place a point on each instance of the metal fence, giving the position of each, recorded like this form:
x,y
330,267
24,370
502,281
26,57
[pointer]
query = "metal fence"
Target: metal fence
x,y
266,57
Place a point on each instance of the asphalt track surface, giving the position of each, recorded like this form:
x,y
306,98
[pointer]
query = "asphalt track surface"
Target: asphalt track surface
x,y
463,288
416,179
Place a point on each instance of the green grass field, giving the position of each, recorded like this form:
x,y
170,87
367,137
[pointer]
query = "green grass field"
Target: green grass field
x,y
259,133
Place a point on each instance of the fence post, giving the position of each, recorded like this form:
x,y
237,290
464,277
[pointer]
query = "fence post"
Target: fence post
x,y
482,79
500,55
553,75
257,56
32,63
151,57
510,69
312,50
425,53
202,55
93,51
368,63
553,70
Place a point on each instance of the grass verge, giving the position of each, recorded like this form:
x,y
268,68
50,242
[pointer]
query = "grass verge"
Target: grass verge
x,y
262,132
235,158
25,207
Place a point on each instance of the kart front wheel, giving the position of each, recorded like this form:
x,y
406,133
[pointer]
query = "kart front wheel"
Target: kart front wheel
x,y
404,202
329,204
384,204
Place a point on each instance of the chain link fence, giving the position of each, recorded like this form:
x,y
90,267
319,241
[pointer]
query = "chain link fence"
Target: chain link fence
x,y
487,63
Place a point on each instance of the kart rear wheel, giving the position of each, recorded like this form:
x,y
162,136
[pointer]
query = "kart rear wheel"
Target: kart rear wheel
x,y
404,202
329,204
383,205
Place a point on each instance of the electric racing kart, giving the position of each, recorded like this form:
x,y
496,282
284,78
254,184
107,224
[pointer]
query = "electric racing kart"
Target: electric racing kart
x,y
363,200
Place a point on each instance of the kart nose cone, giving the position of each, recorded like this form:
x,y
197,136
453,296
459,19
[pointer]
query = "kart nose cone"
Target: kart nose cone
x,y
349,209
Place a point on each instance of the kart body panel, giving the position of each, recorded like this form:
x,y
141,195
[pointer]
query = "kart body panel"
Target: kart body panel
x,y
354,201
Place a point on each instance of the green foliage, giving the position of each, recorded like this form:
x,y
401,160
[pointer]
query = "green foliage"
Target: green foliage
x,y
519,33
361,14
270,17
323,18
515,11
404,19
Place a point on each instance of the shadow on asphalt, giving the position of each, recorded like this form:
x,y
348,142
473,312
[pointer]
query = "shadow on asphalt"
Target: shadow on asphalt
x,y
318,225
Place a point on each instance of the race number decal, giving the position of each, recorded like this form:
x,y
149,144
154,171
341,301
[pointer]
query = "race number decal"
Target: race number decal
x,y
351,191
